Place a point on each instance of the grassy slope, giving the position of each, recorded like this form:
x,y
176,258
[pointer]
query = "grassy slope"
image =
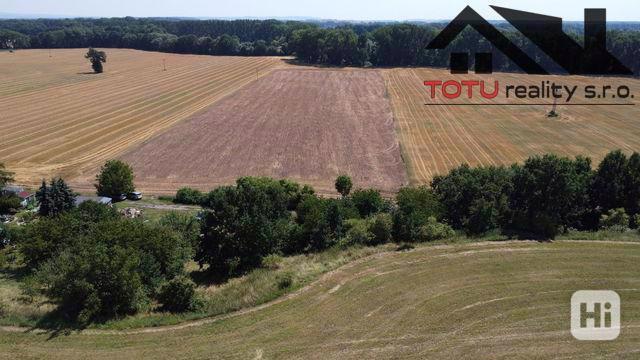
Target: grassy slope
x,y
472,300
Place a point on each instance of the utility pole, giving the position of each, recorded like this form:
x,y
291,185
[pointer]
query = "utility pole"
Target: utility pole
x,y
164,65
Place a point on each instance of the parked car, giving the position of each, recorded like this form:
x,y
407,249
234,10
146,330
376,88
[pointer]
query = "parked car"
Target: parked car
x,y
136,195
121,197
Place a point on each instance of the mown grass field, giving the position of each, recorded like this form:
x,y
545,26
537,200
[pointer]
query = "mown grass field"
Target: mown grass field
x,y
435,139
60,119
482,300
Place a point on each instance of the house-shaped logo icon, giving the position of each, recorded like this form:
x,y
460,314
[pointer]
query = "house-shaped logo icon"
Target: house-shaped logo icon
x,y
543,31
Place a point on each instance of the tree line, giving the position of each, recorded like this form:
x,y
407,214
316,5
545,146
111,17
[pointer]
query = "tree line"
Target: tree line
x,y
340,44
96,265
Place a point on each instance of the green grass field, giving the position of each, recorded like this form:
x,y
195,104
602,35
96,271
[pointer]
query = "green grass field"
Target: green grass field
x,y
482,300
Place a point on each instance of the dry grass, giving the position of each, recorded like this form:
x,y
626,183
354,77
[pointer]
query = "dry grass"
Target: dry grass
x,y
58,119
485,300
435,139
301,124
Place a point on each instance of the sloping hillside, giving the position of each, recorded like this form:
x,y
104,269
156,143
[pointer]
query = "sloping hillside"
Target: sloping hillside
x,y
486,300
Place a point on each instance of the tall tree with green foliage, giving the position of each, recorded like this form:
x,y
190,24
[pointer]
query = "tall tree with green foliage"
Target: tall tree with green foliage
x,y
344,185
115,178
549,192
608,188
56,198
96,58
474,199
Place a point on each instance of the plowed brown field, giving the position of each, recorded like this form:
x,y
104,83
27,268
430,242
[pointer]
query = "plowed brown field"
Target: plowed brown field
x,y
58,119
435,139
304,124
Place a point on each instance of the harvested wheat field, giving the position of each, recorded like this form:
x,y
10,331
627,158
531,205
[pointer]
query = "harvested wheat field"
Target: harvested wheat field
x,y
59,119
465,301
303,124
435,139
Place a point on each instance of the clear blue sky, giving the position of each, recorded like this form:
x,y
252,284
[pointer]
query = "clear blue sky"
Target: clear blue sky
x,y
617,10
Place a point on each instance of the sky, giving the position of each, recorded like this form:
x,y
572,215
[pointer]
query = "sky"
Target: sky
x,y
617,10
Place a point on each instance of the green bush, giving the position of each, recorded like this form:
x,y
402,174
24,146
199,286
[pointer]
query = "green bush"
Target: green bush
x,y
9,204
615,219
188,196
357,233
433,230
178,295
93,281
284,280
380,227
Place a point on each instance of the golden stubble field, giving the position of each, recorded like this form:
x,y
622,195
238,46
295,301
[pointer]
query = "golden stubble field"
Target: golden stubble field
x,y
58,119
435,139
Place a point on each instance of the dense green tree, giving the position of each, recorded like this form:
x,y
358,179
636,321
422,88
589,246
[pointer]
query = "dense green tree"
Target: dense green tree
x,y
343,185
94,281
632,185
474,199
55,198
239,224
368,201
96,58
115,178
549,192
608,187
415,205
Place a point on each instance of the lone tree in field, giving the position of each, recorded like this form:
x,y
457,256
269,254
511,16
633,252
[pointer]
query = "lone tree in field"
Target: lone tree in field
x,y
56,198
344,185
97,58
115,178
5,176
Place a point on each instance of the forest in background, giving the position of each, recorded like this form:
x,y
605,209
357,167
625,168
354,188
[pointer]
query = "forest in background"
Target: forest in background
x,y
317,42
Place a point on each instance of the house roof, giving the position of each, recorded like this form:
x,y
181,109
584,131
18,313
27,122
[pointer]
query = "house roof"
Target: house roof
x,y
98,199
13,189
24,194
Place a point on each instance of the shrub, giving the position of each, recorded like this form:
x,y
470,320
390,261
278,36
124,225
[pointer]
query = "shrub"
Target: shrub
x,y
357,233
615,219
178,295
9,204
94,281
188,196
284,280
380,227
184,224
433,230
272,262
